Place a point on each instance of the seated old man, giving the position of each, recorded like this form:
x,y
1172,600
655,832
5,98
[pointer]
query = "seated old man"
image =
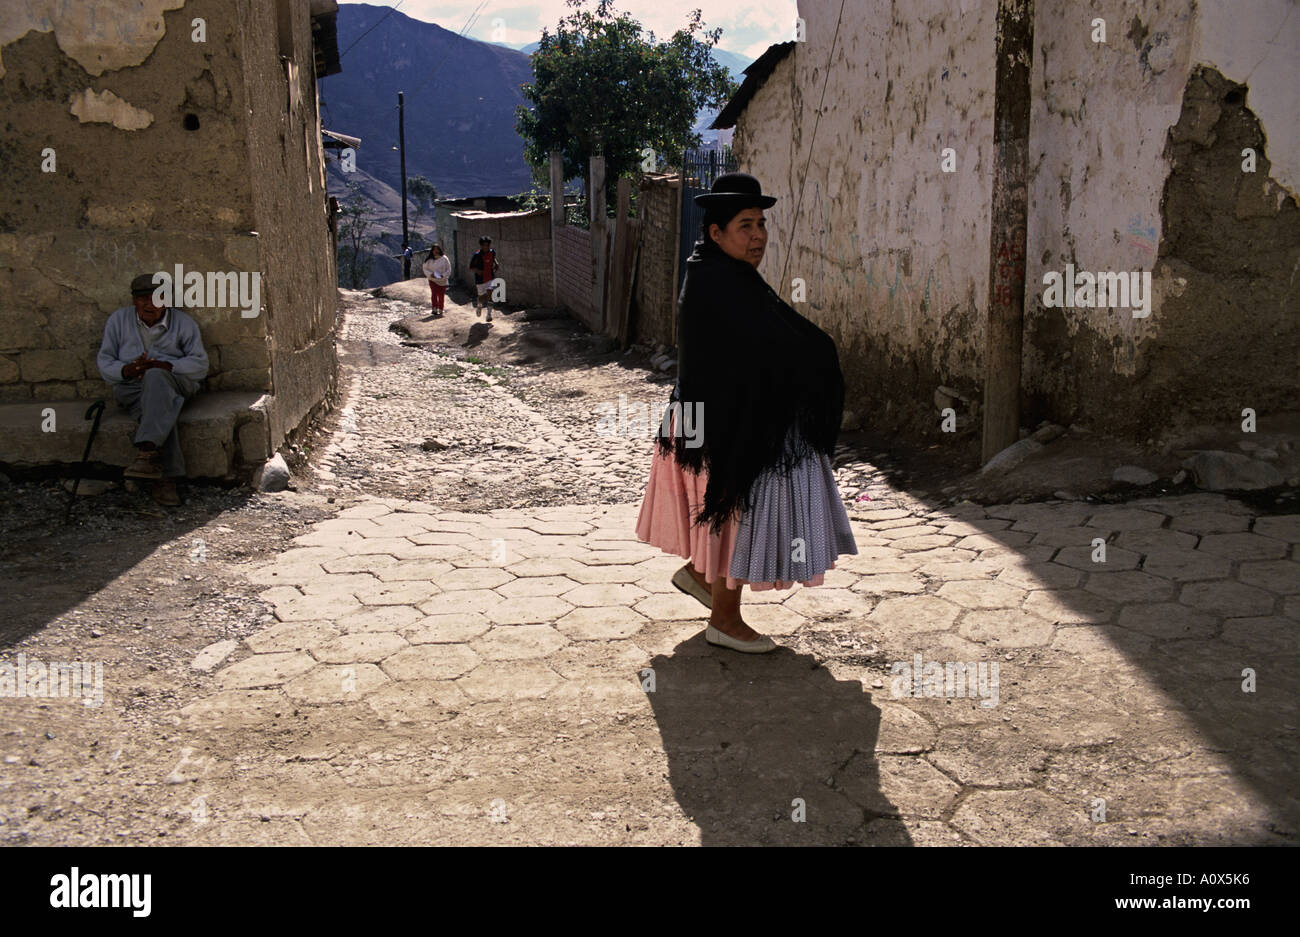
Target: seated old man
x,y
154,359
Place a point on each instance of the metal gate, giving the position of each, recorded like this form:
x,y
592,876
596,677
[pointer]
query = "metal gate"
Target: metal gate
x,y
699,169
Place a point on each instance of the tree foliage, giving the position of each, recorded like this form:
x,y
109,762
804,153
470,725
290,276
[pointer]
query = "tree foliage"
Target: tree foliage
x,y
603,85
354,261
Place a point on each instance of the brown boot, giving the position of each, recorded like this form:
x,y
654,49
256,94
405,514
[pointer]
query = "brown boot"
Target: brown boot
x,y
146,465
164,492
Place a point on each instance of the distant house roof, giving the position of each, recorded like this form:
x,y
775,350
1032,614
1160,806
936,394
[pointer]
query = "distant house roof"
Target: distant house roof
x,y
755,75
325,36
337,141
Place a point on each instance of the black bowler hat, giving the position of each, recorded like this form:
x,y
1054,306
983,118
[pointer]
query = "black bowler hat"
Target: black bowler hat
x,y
735,190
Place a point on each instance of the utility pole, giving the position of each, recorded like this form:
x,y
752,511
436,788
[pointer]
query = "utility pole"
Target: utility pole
x,y
1004,328
401,145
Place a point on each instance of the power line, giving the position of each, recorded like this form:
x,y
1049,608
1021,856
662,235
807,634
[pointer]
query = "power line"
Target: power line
x,y
391,10
473,17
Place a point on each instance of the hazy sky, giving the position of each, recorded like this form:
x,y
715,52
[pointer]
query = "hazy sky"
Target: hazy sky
x,y
748,26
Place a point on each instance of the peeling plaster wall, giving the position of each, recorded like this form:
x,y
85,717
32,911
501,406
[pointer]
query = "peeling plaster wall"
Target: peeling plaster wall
x,y
1110,168
286,172
137,190
895,253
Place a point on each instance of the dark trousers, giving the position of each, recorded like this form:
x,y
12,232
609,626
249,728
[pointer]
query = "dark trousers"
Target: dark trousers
x,y
155,401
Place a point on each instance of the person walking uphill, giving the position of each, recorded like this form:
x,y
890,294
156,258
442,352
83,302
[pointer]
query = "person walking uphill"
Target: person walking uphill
x,y
437,267
741,483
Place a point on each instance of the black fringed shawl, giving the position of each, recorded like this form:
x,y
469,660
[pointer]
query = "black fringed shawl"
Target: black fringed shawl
x,y
760,370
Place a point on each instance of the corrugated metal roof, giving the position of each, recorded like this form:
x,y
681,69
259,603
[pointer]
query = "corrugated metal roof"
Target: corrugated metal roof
x,y
755,75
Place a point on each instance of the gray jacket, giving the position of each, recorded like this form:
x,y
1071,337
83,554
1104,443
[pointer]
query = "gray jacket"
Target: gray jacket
x,y
181,345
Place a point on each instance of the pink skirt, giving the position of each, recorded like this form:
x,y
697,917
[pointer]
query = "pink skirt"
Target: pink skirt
x,y
673,497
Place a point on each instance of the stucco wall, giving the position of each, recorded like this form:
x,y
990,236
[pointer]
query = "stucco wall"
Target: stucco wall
x,y
168,151
289,201
895,252
522,241
122,201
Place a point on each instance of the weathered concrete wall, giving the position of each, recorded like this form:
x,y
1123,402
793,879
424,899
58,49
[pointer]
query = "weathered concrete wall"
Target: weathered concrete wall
x,y
123,200
893,251
522,241
1139,144
287,172
575,276
659,207
1136,166
167,150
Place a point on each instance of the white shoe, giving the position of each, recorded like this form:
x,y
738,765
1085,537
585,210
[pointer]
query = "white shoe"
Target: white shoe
x,y
489,316
478,311
687,583
760,645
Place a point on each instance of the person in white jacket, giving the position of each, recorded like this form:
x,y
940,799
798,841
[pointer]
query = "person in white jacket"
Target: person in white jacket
x,y
438,269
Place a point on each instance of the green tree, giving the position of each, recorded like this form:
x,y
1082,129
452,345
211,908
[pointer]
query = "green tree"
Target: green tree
x,y
355,262
602,85
423,193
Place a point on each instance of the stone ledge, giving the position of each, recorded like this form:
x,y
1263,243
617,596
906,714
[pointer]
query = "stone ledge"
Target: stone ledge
x,y
216,429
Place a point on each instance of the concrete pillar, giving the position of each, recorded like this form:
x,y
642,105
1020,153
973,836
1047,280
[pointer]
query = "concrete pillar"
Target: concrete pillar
x,y
599,238
1006,314
557,218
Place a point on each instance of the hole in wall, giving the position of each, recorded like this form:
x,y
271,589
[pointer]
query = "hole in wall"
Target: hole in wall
x,y
191,122
1233,97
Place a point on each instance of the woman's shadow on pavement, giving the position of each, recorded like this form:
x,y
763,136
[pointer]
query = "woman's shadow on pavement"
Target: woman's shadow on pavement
x,y
753,740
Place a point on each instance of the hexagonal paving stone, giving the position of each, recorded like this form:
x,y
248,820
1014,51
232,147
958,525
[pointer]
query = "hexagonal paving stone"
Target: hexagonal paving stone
x,y
441,537
341,584
364,563
1032,576
878,560
555,527
469,600
913,614
363,646
406,592
1242,546
431,662
280,595
885,583
1001,538
1280,576
517,642
317,607
1271,633
1147,541
369,509
1185,565
613,557
1069,606
475,578
1167,620
1228,599
1072,536
343,684
617,572
1006,628
988,817
896,785
975,593
535,585
1211,522
595,595
384,618
419,701
507,680
425,570
1112,519
528,610
673,607
264,670
600,623
776,619
291,636
397,546
1130,586
1279,526
543,566
286,574
1080,557
822,604
446,629
926,542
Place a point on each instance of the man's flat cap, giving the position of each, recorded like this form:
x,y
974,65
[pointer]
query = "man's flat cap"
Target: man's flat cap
x,y
143,285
